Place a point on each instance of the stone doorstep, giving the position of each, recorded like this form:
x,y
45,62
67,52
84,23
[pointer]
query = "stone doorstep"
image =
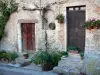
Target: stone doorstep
x,y
21,58
72,69
21,54
70,65
66,71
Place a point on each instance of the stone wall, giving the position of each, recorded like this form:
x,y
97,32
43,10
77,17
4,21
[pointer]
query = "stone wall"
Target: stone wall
x,y
92,11
12,39
92,52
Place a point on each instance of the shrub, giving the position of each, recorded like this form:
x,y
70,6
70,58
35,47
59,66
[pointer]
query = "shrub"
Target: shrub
x,y
6,11
14,55
64,53
2,54
55,57
10,56
43,57
82,54
72,48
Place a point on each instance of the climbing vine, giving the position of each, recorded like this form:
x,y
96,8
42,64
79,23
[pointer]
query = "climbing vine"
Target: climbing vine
x,y
6,9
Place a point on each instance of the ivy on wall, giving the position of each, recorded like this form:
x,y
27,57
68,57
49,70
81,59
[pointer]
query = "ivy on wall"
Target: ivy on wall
x,y
6,9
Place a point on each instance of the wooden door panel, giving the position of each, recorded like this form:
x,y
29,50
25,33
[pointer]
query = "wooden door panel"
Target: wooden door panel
x,y
76,34
28,36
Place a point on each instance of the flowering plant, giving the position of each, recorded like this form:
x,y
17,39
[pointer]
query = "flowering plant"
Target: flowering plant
x,y
92,24
60,18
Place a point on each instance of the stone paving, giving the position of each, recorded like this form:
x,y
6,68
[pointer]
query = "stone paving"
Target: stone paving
x,y
16,69
70,65
10,70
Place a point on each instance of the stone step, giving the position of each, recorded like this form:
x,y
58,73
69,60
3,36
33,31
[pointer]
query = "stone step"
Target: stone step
x,y
66,71
70,65
22,61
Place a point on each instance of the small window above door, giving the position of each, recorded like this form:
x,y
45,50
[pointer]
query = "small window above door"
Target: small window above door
x,y
73,8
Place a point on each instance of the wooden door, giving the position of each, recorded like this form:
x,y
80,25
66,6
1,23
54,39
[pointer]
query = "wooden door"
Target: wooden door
x,y
28,36
76,33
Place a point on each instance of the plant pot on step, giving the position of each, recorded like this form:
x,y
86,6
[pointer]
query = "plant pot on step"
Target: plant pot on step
x,y
73,51
82,55
47,67
82,58
26,56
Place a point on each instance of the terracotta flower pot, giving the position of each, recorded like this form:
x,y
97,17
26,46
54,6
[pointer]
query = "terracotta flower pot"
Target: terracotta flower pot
x,y
73,51
82,58
26,56
90,27
95,27
4,60
47,67
60,21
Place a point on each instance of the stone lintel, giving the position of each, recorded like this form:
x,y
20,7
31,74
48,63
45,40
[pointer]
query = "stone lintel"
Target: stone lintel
x,y
28,21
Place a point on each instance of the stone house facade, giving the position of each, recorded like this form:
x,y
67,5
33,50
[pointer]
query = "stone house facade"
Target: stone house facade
x,y
58,37
13,38
29,16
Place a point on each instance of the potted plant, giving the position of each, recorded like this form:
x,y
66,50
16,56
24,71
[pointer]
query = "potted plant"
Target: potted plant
x,y
1,54
60,18
46,59
6,56
92,24
26,55
73,49
64,53
82,55
43,58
